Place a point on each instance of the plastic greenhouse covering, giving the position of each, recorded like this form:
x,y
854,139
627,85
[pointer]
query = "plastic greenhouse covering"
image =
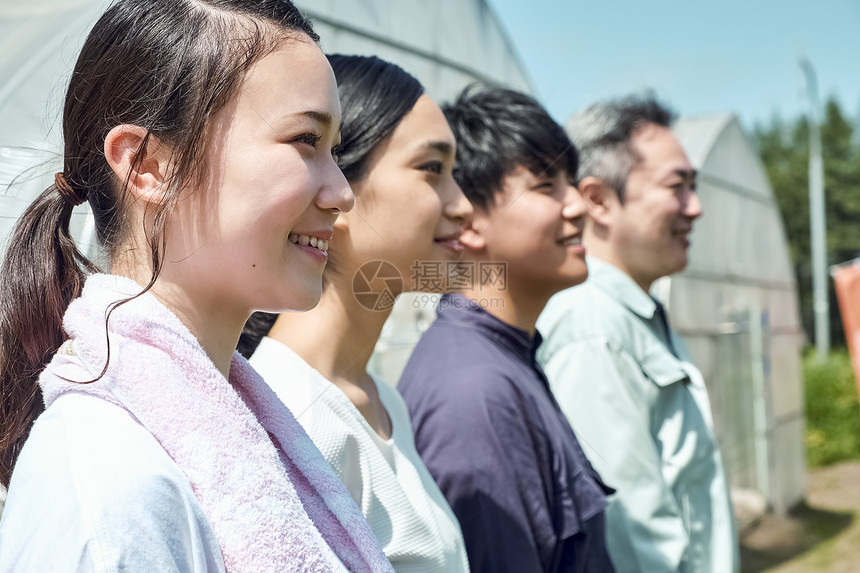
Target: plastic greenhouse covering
x,y
735,305
447,44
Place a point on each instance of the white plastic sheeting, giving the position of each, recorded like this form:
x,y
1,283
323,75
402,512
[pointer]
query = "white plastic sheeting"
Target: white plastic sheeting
x,y
39,41
736,306
447,44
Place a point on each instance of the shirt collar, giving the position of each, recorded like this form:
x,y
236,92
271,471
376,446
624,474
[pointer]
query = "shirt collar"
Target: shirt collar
x,y
464,312
618,284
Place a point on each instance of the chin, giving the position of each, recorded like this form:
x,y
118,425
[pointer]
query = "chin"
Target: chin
x,y
308,301
576,280
680,263
299,300
440,253
578,274
303,307
567,281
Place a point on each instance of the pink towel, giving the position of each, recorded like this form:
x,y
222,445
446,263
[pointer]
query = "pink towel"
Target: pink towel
x,y
272,507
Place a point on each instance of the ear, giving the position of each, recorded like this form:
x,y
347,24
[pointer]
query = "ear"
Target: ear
x,y
473,237
600,199
144,167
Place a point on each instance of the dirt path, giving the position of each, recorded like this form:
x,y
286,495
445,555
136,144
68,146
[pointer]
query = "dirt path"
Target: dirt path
x,y
822,536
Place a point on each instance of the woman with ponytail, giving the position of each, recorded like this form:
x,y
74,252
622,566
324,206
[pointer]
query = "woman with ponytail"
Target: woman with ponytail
x,y
201,132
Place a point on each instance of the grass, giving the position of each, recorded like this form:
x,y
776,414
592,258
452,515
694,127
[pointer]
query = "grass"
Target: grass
x,y
832,410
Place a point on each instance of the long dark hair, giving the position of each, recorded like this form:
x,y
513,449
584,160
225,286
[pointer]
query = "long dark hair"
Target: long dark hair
x,y
375,96
166,66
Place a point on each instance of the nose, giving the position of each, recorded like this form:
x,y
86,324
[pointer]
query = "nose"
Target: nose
x,y
456,206
573,206
335,193
693,205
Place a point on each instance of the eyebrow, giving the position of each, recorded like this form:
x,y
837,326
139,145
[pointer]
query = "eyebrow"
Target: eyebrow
x,y
322,117
685,173
441,146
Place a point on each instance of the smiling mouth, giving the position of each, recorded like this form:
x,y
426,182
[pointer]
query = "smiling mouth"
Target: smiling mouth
x,y
452,243
571,241
306,241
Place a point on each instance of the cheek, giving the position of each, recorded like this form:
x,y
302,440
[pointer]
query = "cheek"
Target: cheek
x,y
284,197
542,222
526,235
430,210
667,220
264,218
638,230
649,223
259,170
416,208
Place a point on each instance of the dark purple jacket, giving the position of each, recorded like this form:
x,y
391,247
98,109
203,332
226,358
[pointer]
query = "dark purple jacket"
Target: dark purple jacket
x,y
500,448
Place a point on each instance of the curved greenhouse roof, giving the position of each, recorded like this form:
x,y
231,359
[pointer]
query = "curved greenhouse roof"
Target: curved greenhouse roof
x,y
447,44
736,307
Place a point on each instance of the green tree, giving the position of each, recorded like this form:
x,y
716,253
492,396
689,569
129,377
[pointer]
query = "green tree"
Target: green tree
x,y
784,147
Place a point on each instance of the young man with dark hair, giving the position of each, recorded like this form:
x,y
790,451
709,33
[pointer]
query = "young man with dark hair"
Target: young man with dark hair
x,y
486,425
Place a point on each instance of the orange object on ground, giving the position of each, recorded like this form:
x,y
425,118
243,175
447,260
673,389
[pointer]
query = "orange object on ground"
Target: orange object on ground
x,y
846,278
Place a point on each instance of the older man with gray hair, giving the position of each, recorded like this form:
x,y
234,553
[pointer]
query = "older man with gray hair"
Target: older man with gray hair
x,y
619,372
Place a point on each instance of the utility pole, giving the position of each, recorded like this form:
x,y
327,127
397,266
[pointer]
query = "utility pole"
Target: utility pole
x,y
817,224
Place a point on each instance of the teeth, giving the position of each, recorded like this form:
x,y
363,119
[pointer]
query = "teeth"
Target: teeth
x,y
305,240
573,241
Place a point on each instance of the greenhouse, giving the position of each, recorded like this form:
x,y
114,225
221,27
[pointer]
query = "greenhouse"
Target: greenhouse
x,y
447,44
736,304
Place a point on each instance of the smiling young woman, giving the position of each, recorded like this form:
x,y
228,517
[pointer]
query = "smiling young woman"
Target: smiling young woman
x,y
398,155
201,133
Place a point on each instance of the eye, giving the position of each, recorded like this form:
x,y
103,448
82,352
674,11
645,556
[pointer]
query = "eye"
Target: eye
x,y
336,151
434,167
682,184
309,138
546,187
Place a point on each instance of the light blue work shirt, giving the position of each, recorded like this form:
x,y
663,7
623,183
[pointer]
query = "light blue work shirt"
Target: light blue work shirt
x,y
641,412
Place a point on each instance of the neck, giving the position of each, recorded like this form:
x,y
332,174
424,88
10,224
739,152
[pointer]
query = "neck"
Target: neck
x,y
517,305
210,321
336,338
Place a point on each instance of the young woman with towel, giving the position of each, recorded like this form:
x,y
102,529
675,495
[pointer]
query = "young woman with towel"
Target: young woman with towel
x,y
201,132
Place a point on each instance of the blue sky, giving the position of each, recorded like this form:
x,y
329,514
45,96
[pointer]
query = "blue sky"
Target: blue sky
x,y
701,57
